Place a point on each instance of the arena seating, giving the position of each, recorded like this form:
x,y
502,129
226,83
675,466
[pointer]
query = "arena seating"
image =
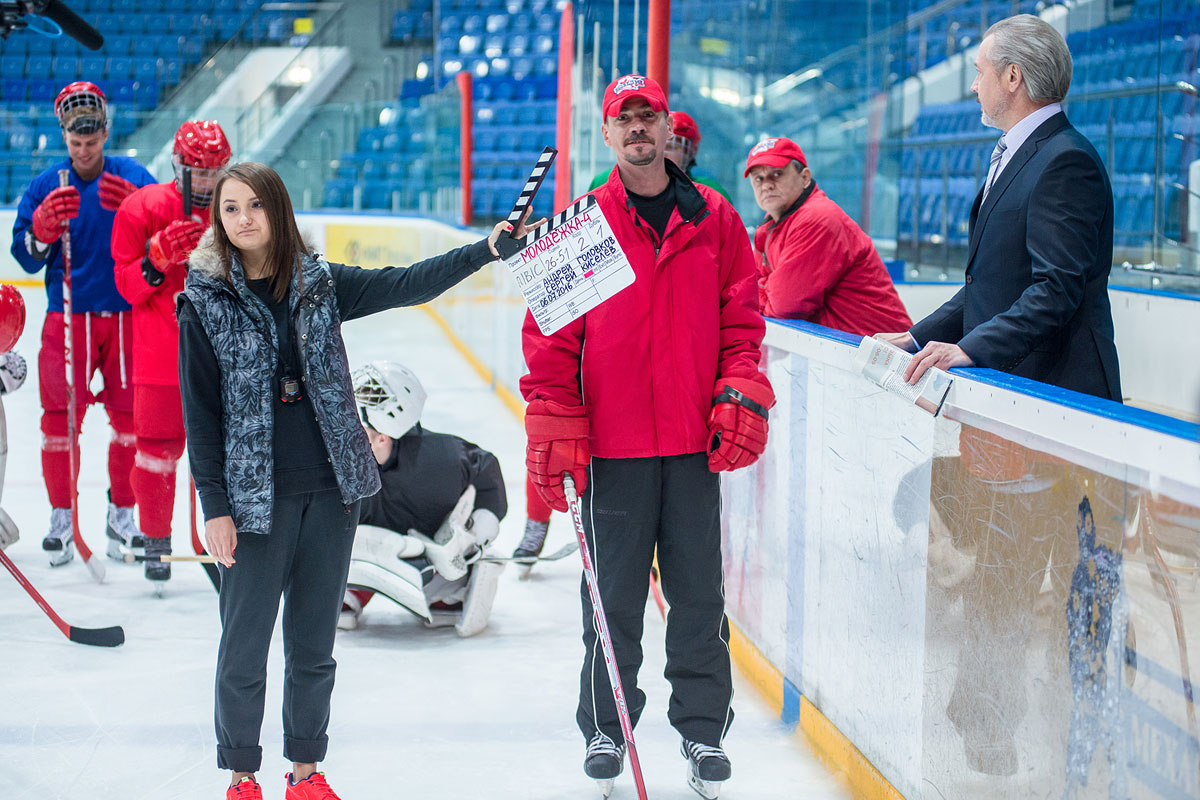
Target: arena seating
x,y
149,47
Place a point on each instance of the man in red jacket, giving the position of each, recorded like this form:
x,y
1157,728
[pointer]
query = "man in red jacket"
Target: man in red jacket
x,y
814,262
643,401
151,240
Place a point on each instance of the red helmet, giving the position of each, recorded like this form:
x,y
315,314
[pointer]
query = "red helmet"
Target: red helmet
x,y
12,316
203,148
683,125
81,108
202,145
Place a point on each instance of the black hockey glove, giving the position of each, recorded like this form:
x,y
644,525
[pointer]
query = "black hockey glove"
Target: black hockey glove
x,y
151,273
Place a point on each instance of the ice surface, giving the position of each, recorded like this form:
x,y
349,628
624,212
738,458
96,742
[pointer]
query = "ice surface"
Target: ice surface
x,y
416,713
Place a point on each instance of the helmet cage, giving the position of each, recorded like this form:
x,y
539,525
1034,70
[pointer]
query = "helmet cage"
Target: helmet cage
x,y
687,147
204,181
389,397
81,109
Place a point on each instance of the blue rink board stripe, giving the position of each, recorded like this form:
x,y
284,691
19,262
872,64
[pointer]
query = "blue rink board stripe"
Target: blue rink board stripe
x,y
1140,417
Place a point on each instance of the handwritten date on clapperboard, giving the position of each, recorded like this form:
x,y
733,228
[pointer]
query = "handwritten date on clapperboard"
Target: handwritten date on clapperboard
x,y
570,265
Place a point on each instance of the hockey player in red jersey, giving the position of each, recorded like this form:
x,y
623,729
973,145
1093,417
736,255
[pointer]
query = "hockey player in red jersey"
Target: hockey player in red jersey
x,y
152,237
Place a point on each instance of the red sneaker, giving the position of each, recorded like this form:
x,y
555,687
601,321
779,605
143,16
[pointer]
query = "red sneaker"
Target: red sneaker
x,y
245,789
313,787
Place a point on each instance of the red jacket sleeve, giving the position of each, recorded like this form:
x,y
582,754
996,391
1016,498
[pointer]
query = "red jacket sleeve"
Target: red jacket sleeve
x,y
742,326
553,362
129,236
808,263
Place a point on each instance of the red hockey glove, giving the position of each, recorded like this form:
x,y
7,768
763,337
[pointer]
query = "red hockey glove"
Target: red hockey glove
x,y
558,443
50,218
171,246
114,189
737,424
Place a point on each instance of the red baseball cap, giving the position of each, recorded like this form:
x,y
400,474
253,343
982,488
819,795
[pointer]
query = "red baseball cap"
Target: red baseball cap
x,y
774,152
626,88
683,125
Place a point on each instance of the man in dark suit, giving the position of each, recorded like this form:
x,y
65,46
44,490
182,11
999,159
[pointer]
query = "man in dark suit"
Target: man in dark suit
x,y
1035,304
1035,301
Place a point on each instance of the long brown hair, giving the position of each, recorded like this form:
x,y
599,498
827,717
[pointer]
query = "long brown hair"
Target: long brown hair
x,y
287,246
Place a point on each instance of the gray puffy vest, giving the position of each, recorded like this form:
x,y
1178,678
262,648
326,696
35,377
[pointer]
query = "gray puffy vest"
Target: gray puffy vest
x,y
244,339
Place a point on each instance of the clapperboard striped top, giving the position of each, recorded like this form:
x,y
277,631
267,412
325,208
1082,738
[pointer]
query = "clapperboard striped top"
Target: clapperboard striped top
x,y
570,212
544,162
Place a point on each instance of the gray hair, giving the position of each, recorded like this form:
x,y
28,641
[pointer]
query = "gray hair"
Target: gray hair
x,y
1038,49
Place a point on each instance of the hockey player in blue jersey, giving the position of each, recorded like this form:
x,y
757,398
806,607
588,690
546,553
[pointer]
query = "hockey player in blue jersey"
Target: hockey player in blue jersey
x,y
102,339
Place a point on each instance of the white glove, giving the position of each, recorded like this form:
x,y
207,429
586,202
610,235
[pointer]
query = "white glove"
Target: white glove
x,y
12,372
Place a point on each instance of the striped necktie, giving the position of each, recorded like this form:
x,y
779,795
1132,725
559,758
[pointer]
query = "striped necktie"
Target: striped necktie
x,y
994,166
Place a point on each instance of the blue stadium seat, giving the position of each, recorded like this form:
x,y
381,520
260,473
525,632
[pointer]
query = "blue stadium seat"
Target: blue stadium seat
x,y
93,67
171,71
14,90
121,91
146,94
43,90
145,69
12,66
120,68
38,66
65,69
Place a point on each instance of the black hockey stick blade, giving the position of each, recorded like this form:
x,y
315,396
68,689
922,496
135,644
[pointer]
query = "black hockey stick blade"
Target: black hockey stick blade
x,y
99,637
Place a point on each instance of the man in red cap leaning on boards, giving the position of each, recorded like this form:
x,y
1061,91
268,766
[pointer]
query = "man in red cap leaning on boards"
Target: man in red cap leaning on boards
x,y
668,395
814,262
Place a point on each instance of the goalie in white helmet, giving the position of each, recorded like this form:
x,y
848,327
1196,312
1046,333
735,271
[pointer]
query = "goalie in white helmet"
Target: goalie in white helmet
x,y
420,539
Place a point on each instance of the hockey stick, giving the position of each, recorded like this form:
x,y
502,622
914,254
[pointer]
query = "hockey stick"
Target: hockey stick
x,y
93,565
137,558
656,591
100,637
557,555
610,656
210,568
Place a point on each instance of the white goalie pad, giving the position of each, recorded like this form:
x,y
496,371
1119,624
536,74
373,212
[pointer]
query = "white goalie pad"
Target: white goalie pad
x,y
481,591
448,548
8,530
485,526
377,564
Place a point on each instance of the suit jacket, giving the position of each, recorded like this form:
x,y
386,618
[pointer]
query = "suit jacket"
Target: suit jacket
x,y
1035,301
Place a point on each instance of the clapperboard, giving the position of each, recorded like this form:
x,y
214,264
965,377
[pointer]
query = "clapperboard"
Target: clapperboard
x,y
569,265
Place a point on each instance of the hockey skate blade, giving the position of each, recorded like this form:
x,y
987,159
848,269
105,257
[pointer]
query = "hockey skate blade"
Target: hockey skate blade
x,y
524,571
706,789
606,785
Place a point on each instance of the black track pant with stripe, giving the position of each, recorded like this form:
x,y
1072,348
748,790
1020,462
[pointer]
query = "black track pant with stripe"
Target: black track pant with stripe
x,y
630,506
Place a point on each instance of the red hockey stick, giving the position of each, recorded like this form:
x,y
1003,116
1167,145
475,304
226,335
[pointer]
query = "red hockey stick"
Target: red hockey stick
x,y
610,656
93,565
100,637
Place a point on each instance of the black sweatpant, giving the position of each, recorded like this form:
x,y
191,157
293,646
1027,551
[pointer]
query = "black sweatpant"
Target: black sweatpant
x,y
305,559
631,505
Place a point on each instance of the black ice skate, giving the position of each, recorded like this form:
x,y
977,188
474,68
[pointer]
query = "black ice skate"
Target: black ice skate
x,y
531,546
707,767
604,761
158,570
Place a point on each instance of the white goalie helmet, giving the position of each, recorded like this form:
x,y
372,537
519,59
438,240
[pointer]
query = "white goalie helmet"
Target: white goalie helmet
x,y
389,397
